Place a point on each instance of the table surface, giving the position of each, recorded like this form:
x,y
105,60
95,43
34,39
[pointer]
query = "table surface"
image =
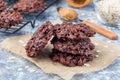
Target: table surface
x,y
13,67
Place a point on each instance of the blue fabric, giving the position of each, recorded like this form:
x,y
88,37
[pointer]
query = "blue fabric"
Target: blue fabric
x,y
21,69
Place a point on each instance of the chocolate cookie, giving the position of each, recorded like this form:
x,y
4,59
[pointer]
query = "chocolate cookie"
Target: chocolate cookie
x,y
71,31
10,18
69,59
39,39
3,5
29,5
83,46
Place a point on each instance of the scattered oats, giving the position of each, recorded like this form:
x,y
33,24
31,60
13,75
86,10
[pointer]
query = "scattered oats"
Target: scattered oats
x,y
87,65
36,24
109,10
83,14
96,44
96,56
21,41
106,46
109,41
20,69
10,61
94,21
98,51
24,45
26,67
32,70
11,29
57,21
11,58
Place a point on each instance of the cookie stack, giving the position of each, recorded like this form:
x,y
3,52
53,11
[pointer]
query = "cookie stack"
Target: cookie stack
x,y
72,46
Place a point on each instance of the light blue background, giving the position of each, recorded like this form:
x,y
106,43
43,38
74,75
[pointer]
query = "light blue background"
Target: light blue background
x,y
21,69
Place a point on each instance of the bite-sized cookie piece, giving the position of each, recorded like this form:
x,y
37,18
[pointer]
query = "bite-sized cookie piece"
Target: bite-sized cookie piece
x,y
29,5
39,39
82,47
72,31
70,59
10,18
3,5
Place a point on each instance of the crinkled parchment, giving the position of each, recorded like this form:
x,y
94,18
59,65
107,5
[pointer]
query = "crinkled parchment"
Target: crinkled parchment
x,y
105,53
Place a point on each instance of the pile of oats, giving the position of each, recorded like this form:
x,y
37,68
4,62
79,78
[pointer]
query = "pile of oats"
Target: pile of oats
x,y
109,10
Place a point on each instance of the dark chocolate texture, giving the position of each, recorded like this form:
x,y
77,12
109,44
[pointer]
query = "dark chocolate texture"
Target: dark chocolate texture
x,y
70,31
10,18
70,59
39,39
83,46
29,5
3,5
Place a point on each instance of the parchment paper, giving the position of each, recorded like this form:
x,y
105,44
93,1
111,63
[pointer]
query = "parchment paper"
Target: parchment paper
x,y
105,53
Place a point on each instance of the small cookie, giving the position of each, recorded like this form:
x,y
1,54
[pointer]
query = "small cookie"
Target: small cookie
x,y
39,39
69,31
82,47
69,59
3,5
10,18
29,5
